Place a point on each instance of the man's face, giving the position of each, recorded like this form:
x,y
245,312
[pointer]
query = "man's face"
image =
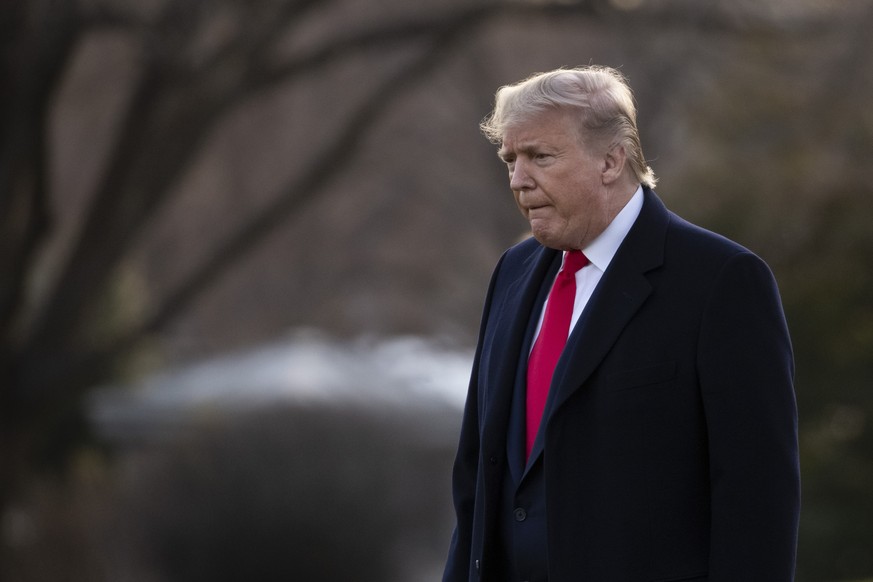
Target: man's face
x,y
557,181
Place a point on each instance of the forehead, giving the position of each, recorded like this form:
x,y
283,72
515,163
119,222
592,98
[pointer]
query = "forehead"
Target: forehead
x,y
553,128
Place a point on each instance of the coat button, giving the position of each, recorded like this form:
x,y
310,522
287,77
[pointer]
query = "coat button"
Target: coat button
x,y
493,460
520,514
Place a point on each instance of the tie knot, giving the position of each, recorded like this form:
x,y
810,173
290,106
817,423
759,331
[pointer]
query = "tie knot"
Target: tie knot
x,y
573,261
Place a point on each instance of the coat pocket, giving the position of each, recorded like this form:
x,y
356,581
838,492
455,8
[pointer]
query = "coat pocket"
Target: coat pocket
x,y
643,376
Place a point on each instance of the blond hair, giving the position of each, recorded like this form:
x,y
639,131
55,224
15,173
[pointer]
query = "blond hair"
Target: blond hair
x,y
600,95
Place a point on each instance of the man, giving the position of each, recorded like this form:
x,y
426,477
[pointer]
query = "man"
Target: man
x,y
631,417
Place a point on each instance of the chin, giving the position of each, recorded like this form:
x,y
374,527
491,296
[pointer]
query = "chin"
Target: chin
x,y
546,242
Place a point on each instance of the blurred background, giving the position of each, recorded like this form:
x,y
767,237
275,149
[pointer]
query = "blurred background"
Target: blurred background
x,y
245,245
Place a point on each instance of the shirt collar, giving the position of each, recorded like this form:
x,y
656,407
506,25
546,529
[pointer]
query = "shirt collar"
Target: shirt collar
x,y
603,248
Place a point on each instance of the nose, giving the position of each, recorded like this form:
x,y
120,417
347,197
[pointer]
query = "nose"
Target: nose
x,y
519,179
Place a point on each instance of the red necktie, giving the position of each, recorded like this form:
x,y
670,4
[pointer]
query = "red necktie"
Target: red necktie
x,y
550,342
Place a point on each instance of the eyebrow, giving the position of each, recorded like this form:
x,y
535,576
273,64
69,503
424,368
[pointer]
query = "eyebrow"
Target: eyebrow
x,y
527,148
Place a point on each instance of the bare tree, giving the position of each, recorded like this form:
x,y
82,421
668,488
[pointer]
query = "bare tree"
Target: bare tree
x,y
189,77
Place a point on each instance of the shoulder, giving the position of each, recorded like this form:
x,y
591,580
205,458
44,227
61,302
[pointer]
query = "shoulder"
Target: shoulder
x,y
522,264
689,240
522,255
691,251
699,241
709,256
523,250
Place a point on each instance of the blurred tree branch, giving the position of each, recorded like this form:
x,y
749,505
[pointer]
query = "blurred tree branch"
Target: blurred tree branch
x,y
30,72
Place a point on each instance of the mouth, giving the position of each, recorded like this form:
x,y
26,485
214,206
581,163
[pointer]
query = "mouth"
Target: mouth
x,y
531,210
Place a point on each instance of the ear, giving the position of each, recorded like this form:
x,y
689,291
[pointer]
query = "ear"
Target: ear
x,y
613,164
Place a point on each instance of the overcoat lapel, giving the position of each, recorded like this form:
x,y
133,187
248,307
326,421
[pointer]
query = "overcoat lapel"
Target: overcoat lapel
x,y
622,290
507,344
515,445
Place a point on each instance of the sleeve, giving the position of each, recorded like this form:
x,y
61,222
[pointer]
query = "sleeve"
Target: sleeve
x,y
466,467
464,475
746,372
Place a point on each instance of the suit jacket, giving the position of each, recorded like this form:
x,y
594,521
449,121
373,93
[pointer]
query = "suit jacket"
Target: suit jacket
x,y
669,443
